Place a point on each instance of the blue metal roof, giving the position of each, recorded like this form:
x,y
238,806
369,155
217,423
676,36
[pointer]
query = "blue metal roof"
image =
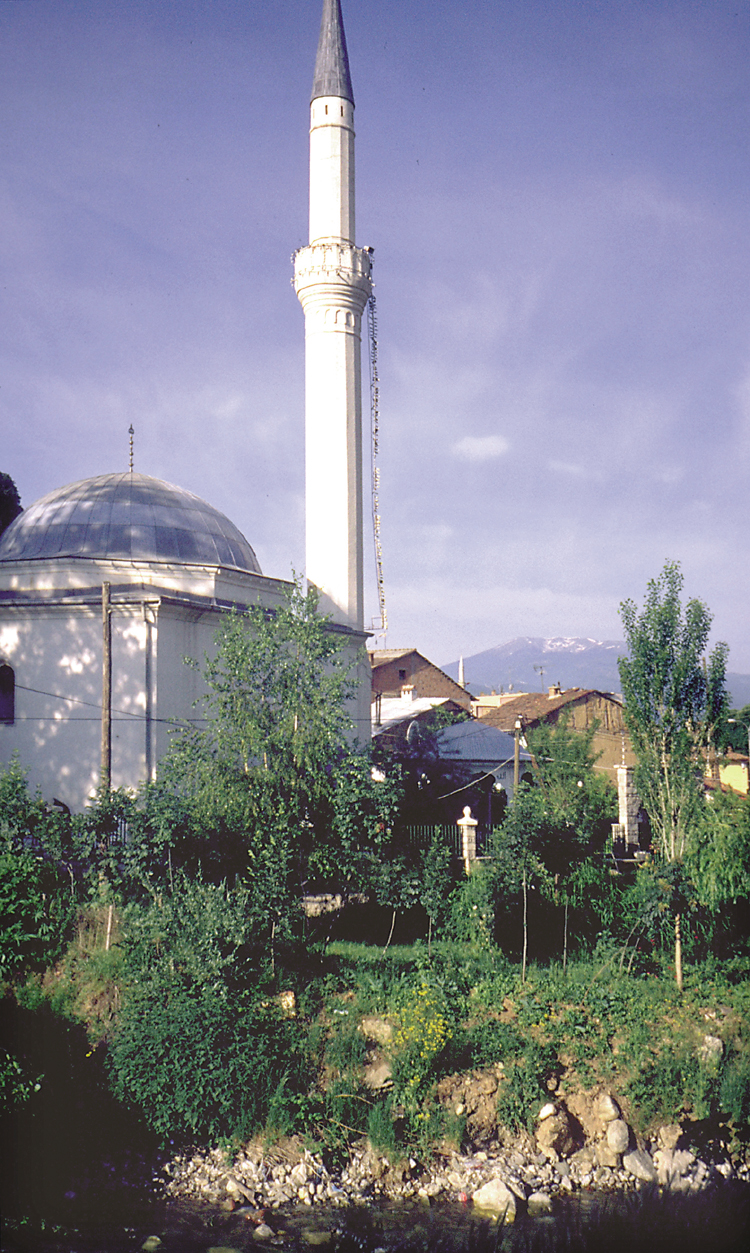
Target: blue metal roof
x,y
127,516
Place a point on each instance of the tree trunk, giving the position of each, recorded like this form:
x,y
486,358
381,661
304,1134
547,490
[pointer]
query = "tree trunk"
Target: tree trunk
x,y
390,933
678,951
565,938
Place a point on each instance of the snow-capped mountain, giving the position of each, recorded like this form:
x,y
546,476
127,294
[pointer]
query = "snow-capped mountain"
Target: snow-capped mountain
x,y
534,664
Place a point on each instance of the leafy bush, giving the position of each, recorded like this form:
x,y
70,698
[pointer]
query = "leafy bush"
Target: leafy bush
x,y
524,1090
35,912
199,1065
423,1032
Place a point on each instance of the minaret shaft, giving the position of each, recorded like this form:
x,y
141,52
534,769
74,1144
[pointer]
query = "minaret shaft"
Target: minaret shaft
x,y
332,281
331,169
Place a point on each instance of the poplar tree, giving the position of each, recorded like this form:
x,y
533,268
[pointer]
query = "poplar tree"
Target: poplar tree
x,y
674,698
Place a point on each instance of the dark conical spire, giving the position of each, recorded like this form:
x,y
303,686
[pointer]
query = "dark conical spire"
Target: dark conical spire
x,y
332,77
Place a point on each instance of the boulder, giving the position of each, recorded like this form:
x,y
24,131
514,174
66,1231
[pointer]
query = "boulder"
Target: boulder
x,y
672,1167
539,1203
639,1164
606,1157
606,1108
554,1135
496,1199
618,1135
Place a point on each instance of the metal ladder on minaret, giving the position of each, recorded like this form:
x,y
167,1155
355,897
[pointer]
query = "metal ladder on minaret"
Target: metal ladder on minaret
x,y
372,325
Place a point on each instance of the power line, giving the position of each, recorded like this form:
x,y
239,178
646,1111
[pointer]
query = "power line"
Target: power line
x,y
125,714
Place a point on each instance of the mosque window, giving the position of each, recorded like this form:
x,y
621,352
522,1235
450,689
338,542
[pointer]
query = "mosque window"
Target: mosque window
x,y
7,694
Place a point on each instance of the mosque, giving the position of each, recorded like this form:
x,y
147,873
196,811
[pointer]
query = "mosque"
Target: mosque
x,y
106,585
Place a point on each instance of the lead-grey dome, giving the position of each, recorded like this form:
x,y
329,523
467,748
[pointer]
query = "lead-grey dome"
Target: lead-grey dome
x,y
127,516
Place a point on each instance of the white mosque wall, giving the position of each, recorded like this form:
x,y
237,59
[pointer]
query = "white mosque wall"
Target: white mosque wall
x,y
56,653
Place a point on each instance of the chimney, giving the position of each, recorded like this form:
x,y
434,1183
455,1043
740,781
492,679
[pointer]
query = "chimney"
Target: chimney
x,y
407,691
555,690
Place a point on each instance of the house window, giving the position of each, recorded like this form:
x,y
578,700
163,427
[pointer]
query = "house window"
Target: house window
x,y
7,695
402,676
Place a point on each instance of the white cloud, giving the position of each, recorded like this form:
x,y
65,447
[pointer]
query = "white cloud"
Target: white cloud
x,y
568,467
480,447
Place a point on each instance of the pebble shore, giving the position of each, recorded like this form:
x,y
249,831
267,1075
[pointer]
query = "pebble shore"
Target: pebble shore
x,y
501,1179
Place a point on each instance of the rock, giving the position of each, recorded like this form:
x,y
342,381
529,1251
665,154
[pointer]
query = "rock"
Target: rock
x,y
496,1199
539,1203
607,1108
669,1135
547,1111
711,1050
151,1244
317,1238
377,1075
618,1135
263,1232
584,1160
554,1135
221,1248
606,1157
377,1029
639,1164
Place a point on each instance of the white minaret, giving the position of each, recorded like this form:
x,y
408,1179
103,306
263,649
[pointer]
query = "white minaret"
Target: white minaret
x,y
332,280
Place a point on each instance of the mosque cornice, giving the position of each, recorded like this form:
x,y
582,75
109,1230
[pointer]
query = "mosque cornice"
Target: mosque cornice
x,y
122,594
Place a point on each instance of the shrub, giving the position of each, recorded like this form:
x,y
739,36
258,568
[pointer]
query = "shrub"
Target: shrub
x,y
35,912
422,1034
199,1065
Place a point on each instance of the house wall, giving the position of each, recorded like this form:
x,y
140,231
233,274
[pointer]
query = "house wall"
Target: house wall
x,y
426,679
735,775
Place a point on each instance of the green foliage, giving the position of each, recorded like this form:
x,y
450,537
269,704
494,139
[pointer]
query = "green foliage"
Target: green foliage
x,y
473,907
523,1090
733,733
200,1065
381,1131
423,1031
198,1051
16,1084
673,704
720,865
270,778
35,913
10,501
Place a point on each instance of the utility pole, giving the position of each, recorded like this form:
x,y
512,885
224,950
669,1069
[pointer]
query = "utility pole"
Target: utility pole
x,y
106,766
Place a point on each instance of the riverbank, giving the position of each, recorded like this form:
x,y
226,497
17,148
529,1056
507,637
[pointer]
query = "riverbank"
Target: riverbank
x,y
505,1180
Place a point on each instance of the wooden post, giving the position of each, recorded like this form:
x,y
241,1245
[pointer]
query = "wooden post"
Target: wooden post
x,y
106,765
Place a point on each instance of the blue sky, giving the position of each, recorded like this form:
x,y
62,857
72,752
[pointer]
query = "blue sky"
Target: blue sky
x,y
557,193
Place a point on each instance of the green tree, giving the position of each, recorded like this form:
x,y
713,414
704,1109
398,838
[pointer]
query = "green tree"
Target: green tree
x,y
10,501
721,857
260,773
674,700
557,824
734,730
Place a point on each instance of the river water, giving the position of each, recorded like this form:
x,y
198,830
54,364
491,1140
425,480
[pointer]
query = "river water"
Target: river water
x,y
123,1222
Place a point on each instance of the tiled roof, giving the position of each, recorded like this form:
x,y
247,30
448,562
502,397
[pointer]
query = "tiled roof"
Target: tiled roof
x,y
533,707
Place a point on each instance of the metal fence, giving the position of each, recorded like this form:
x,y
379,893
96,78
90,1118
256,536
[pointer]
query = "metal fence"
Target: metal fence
x,y
422,835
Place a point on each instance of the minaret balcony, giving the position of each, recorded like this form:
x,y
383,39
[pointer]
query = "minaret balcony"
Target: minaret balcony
x,y
334,271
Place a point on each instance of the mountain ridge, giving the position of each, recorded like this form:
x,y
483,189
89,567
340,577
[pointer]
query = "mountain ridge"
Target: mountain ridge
x,y
530,663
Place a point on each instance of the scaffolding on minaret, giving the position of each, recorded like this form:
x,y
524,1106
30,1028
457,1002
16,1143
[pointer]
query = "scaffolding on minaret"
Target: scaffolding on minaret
x,y
372,324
